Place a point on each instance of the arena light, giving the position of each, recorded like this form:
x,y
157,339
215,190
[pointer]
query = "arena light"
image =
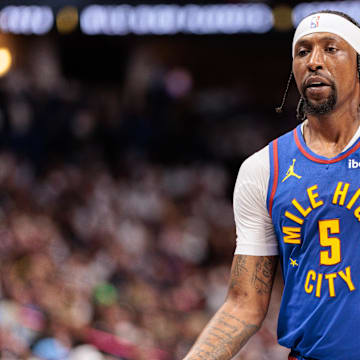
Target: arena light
x,y
303,9
67,19
5,61
282,18
173,19
26,20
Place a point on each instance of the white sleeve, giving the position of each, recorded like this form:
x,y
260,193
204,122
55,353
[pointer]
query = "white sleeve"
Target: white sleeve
x,y
254,229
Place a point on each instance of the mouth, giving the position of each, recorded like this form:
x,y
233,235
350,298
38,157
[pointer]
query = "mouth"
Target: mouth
x,y
317,87
316,84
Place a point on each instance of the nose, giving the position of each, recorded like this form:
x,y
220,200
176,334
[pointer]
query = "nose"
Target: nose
x,y
316,59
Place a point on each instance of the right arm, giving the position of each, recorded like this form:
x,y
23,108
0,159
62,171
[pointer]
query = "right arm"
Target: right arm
x,y
251,276
243,311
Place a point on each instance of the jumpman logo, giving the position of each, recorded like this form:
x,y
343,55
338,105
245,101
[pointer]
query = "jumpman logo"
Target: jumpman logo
x,y
291,172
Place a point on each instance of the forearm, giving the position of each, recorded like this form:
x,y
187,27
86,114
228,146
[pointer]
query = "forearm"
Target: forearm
x,y
225,335
243,311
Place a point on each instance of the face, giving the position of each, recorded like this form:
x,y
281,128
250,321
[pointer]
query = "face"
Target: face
x,y
325,71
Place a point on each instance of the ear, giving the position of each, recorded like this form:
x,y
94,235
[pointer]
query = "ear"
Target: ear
x,y
358,72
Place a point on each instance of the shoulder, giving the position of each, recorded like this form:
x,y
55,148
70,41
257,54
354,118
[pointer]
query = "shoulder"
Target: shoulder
x,y
255,169
254,228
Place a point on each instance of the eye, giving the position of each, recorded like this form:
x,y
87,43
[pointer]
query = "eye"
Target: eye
x,y
302,52
331,49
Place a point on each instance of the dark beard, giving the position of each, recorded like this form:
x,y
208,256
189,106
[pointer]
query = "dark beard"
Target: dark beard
x,y
321,109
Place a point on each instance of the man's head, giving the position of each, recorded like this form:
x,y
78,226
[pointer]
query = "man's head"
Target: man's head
x,y
326,49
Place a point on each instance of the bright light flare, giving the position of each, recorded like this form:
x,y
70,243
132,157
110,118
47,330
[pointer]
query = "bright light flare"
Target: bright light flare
x,y
172,19
5,61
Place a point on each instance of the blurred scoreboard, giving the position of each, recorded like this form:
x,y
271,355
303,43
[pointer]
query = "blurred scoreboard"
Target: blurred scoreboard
x,y
159,19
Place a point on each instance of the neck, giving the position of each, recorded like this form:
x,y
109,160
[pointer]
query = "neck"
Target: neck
x,y
328,134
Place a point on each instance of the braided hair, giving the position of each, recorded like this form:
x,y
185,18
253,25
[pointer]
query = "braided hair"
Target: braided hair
x,y
300,113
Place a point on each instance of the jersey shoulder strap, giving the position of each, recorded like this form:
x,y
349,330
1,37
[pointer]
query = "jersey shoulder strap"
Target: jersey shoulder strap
x,y
277,148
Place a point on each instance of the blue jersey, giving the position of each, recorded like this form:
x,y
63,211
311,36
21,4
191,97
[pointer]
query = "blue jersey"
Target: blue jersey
x,y
314,203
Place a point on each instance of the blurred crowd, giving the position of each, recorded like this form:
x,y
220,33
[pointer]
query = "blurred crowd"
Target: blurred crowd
x,y
116,220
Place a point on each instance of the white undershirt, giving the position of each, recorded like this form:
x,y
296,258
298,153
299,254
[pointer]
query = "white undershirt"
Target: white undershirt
x,y
254,229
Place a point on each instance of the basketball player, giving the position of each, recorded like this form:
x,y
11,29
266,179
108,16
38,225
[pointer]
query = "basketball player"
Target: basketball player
x,y
298,200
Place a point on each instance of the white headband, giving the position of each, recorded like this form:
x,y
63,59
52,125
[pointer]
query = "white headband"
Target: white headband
x,y
332,23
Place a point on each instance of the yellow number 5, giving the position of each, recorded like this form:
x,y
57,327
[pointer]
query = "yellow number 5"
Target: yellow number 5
x,y
332,256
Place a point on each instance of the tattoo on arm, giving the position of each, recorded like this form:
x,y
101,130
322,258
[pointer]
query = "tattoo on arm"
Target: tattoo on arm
x,y
226,334
240,265
225,341
262,277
